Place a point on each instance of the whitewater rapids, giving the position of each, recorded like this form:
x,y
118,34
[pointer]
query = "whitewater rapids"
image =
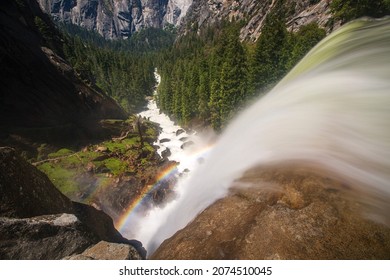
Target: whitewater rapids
x,y
330,113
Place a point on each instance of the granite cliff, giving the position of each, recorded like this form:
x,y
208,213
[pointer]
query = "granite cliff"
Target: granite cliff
x,y
117,18
203,13
121,18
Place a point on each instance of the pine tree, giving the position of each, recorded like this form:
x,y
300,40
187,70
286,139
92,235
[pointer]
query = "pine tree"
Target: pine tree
x,y
303,41
268,64
347,10
233,76
204,91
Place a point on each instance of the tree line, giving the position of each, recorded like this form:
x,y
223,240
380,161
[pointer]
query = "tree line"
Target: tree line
x,y
207,78
124,69
346,10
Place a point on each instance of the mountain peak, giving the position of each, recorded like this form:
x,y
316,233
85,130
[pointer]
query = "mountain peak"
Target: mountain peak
x,y
115,19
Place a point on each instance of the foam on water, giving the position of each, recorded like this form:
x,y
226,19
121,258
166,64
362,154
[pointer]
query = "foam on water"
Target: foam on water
x,y
331,112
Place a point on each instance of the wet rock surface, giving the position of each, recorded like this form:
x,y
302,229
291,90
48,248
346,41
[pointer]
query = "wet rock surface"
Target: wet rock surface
x,y
286,215
187,145
180,131
165,140
166,153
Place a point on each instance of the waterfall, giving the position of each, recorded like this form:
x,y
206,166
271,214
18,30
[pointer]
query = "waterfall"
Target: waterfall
x,y
331,113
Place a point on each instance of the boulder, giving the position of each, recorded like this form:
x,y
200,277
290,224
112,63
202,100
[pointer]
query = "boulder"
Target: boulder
x,y
186,145
102,149
97,222
43,237
286,215
166,153
180,131
164,140
108,251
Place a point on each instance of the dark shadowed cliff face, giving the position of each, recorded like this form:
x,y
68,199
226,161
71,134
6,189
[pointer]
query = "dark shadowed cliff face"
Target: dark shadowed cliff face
x,y
117,18
38,88
305,217
38,222
26,191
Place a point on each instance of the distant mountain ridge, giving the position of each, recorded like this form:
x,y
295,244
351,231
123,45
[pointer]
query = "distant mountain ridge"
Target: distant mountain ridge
x,y
115,19
204,13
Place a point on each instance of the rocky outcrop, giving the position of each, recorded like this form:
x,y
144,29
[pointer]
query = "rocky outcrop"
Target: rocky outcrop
x,y
38,222
176,11
205,13
41,96
117,18
166,153
121,18
286,215
108,251
43,237
25,191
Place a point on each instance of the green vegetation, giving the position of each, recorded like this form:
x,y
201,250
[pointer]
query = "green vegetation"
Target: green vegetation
x,y
126,77
61,177
122,68
149,40
208,78
43,28
347,10
79,172
303,41
116,166
61,153
269,61
50,37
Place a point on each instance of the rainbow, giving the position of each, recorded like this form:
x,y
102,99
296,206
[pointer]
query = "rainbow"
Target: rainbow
x,y
103,183
167,173
163,175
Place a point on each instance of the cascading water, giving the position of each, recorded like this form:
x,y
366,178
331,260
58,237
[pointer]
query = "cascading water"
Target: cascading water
x,y
332,113
172,137
185,150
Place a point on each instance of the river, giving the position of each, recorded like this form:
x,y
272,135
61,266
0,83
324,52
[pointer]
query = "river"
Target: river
x,y
330,113
188,149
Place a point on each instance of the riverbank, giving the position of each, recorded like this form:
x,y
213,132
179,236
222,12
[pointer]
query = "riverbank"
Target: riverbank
x,y
110,175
